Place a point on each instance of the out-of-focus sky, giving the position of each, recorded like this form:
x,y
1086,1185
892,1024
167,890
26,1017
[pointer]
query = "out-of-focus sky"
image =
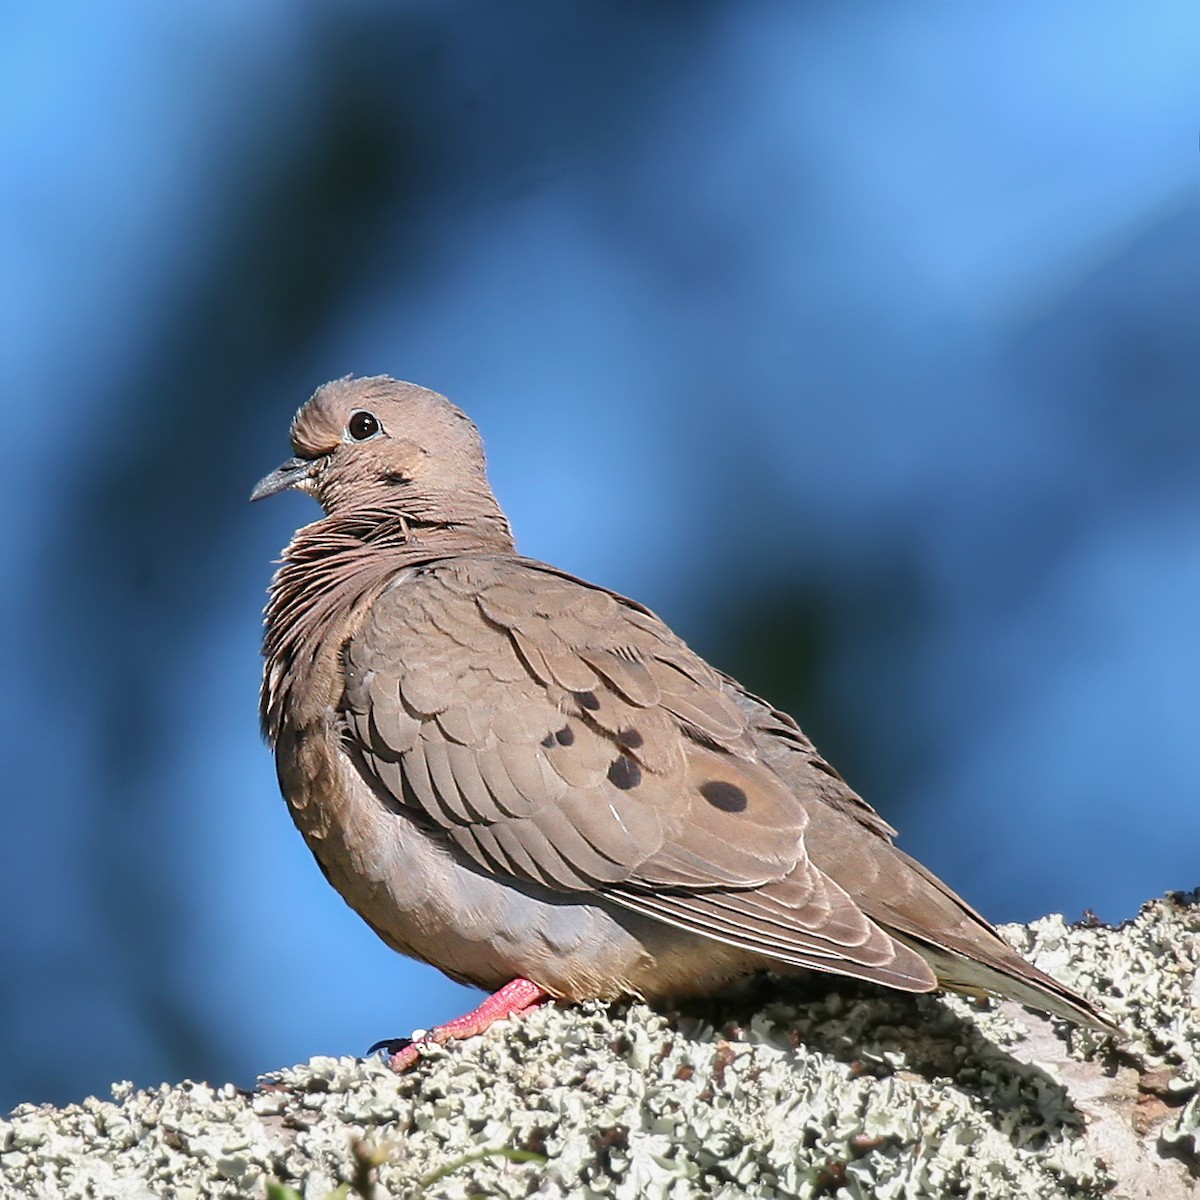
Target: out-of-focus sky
x,y
859,341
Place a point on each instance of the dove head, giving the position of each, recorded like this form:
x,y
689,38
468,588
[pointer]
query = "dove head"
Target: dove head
x,y
382,446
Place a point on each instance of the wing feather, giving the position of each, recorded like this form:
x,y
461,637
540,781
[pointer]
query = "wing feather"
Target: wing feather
x,y
560,735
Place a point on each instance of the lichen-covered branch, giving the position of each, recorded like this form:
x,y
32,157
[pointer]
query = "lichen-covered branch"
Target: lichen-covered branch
x,y
776,1091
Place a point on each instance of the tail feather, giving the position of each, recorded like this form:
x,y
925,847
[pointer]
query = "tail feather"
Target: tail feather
x,y
1010,977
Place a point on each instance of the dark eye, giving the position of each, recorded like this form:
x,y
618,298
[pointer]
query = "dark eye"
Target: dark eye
x,y
362,425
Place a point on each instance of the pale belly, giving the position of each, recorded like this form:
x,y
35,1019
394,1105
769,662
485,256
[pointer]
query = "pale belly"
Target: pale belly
x,y
426,901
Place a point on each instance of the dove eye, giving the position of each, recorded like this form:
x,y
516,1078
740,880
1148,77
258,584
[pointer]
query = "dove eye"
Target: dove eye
x,y
362,425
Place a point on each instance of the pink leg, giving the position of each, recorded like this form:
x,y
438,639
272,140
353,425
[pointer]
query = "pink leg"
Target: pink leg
x,y
511,1000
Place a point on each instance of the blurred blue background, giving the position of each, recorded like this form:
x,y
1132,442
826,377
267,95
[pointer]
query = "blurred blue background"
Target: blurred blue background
x,y
859,341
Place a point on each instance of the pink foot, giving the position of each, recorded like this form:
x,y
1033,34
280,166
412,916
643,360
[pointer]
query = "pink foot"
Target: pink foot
x,y
512,1000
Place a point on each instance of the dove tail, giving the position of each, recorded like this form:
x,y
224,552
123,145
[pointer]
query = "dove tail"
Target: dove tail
x,y
1015,981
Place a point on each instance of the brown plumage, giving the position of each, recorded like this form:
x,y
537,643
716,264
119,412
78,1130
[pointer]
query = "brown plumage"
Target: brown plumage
x,y
514,774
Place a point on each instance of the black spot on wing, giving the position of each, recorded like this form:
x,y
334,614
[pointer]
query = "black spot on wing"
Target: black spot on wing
x,y
549,742
587,700
630,739
728,797
565,736
624,773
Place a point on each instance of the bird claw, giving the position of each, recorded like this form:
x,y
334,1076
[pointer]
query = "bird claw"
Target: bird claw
x,y
390,1046
513,1000
399,1053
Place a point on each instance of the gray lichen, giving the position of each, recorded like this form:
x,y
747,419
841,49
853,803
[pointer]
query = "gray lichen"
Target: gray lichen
x,y
772,1092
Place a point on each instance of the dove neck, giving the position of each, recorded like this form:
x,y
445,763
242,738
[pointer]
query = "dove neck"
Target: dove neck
x,y
465,518
330,572
468,522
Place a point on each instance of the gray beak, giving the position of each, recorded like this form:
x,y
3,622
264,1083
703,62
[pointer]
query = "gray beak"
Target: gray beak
x,y
296,472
